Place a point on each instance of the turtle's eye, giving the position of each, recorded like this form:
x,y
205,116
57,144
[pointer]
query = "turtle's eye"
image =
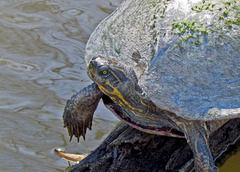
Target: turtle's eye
x,y
103,72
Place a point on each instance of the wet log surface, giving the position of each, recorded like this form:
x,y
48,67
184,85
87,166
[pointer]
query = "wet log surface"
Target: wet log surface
x,y
127,149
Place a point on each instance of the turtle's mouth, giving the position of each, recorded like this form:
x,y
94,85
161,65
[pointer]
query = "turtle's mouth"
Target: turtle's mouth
x,y
120,113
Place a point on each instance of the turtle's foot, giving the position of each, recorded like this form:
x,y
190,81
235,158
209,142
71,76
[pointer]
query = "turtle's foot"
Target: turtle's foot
x,y
198,141
70,156
77,119
78,112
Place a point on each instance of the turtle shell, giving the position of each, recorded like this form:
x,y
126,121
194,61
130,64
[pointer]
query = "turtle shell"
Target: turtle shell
x,y
186,53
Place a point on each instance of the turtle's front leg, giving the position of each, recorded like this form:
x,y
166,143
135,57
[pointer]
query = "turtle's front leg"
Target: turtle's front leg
x,y
78,112
198,140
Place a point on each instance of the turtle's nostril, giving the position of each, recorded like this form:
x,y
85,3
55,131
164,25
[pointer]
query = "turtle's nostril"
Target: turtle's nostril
x,y
90,66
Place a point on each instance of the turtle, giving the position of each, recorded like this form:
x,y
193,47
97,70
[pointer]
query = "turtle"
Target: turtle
x,y
164,67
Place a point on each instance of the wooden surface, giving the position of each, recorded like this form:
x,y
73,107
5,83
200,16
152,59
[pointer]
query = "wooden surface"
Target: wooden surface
x,y
127,149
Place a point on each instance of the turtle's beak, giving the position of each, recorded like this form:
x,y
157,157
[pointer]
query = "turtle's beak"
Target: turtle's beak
x,y
90,70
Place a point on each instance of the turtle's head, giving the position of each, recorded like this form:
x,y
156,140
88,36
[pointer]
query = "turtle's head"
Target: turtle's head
x,y
116,80
110,74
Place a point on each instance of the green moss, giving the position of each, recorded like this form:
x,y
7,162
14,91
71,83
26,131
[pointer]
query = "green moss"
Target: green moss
x,y
225,13
228,12
189,30
227,3
231,22
197,8
117,51
197,43
221,18
154,17
231,14
187,27
153,25
226,17
204,6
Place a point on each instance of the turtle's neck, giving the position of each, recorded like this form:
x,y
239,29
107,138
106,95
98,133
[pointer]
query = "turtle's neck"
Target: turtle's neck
x,y
149,121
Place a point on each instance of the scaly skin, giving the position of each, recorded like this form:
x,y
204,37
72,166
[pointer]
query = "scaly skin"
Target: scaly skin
x,y
78,112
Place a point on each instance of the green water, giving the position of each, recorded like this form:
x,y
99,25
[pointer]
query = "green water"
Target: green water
x,y
42,64
232,164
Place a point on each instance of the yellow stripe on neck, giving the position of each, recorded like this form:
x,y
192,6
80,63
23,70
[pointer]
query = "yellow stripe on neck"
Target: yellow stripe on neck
x,y
116,93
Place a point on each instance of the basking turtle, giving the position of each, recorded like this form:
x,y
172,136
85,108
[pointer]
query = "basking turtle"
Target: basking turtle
x,y
165,67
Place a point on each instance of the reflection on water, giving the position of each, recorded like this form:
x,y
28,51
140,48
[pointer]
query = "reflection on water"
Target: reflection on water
x,y
41,62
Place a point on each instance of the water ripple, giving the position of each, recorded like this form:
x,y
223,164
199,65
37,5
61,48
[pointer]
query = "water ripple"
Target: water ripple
x,y
42,64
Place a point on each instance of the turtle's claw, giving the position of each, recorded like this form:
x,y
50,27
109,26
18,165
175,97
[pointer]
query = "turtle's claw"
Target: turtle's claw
x,y
76,124
70,138
78,112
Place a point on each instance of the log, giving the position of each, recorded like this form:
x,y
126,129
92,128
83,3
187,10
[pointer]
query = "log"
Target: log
x,y
128,149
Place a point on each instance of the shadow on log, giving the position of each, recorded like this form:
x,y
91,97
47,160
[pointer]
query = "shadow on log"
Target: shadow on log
x,y
127,149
